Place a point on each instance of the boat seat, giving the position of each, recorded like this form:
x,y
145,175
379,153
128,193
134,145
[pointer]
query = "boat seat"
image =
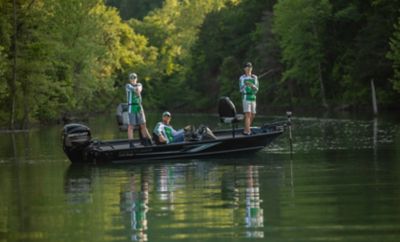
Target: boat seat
x,y
227,113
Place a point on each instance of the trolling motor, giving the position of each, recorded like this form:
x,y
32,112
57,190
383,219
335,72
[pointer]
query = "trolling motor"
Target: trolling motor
x,y
76,137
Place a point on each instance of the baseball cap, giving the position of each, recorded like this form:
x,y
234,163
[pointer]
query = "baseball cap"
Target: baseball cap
x,y
166,113
132,76
248,64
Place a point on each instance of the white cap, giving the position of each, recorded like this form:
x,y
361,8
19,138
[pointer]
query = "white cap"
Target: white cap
x,y
132,76
166,113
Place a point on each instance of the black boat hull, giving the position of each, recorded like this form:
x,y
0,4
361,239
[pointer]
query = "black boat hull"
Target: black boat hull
x,y
120,151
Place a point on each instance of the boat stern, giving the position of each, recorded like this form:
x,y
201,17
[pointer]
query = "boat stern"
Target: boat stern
x,y
76,138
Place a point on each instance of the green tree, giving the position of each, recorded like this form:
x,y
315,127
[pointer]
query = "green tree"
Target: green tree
x,y
72,56
266,54
173,29
134,8
226,36
92,51
300,26
5,43
228,78
394,55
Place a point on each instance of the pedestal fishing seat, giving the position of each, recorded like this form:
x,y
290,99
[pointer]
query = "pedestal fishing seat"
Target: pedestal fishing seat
x,y
227,113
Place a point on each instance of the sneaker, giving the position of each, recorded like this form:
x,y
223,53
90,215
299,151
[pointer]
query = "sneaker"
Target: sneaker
x,y
246,134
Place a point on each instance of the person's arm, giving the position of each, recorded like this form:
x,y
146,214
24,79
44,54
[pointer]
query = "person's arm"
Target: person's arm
x,y
158,131
242,85
255,85
139,89
129,87
162,139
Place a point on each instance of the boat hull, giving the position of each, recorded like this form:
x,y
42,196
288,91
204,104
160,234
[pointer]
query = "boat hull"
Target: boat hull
x,y
121,151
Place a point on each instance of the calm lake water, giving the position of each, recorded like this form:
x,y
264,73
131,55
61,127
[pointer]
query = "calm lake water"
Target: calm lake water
x,y
341,184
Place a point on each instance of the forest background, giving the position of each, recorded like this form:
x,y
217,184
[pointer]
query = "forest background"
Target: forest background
x,y
71,58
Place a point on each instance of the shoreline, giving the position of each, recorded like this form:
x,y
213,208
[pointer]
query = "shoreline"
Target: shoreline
x,y
264,113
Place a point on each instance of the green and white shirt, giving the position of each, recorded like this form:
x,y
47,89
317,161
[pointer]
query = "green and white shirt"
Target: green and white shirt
x,y
248,91
165,130
134,99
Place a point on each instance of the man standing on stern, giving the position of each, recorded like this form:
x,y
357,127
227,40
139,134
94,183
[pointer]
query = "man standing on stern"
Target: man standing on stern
x,y
248,84
135,109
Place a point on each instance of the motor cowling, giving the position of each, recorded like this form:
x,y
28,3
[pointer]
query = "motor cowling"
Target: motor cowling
x,y
76,135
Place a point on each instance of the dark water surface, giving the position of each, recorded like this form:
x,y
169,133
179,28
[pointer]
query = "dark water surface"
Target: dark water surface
x,y
341,184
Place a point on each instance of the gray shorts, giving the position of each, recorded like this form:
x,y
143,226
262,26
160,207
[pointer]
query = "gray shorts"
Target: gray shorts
x,y
137,118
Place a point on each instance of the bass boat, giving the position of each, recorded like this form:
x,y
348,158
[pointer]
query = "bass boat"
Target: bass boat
x,y
79,146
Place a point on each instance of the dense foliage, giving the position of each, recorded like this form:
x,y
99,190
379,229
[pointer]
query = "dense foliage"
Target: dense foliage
x,y
59,58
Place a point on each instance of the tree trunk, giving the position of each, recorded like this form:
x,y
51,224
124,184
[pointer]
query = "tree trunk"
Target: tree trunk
x,y
14,68
26,122
322,86
321,81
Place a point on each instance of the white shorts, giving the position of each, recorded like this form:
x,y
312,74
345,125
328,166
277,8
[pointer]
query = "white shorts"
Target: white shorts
x,y
249,106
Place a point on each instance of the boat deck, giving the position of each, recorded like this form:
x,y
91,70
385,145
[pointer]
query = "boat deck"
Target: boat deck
x,y
126,144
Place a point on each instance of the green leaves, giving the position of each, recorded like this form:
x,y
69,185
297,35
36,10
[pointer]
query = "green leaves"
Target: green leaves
x,y
300,26
394,56
74,56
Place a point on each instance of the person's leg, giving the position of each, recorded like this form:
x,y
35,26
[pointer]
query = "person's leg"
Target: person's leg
x,y
146,138
179,136
130,131
247,116
247,121
144,131
252,114
147,131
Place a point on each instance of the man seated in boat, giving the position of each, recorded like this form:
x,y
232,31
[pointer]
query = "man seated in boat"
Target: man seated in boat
x,y
163,133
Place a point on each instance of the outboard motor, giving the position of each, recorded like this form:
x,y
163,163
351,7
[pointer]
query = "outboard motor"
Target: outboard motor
x,y
122,116
76,137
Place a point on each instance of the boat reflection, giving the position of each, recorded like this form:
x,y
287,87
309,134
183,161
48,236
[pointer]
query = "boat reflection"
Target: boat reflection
x,y
177,197
78,187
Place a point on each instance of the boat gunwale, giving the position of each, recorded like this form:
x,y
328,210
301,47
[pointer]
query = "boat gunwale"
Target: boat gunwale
x,y
124,141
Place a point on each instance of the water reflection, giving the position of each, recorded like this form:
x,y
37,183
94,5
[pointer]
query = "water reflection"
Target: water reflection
x,y
78,185
341,185
165,186
254,212
135,202
175,196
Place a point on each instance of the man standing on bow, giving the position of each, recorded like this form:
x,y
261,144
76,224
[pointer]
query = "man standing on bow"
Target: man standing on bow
x,y
248,84
135,109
